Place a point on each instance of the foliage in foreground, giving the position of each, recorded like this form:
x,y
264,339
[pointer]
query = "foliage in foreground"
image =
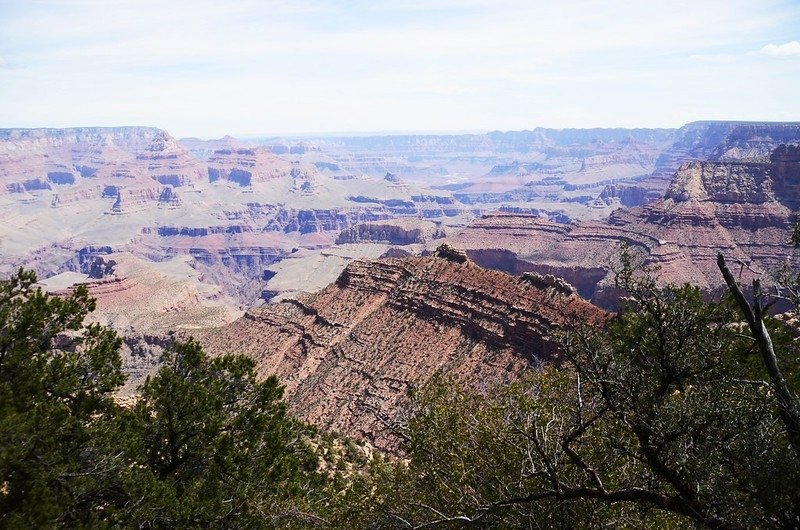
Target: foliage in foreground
x,y
205,445
669,416
666,417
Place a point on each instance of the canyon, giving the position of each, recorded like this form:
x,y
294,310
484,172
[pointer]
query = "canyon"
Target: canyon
x,y
177,236
742,208
349,353
237,207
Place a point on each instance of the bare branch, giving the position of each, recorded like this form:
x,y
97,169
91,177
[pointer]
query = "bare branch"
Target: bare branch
x,y
787,403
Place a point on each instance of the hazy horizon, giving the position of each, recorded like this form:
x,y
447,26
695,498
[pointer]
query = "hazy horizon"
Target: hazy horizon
x,y
355,134
305,68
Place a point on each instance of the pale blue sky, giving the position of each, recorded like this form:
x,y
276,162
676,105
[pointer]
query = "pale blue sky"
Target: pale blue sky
x,y
207,68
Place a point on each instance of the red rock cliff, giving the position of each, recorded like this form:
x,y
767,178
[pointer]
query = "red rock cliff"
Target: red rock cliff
x,y
349,353
742,209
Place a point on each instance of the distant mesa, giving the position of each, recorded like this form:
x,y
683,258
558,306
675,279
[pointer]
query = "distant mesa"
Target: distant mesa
x,y
627,195
36,159
392,232
248,166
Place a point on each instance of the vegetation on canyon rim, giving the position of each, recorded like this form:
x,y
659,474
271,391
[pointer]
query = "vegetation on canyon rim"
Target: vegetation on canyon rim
x,y
671,414
668,416
204,444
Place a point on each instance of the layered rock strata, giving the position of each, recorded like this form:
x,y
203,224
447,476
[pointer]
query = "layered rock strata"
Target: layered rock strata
x,y
36,159
394,232
246,166
146,302
742,209
720,141
349,353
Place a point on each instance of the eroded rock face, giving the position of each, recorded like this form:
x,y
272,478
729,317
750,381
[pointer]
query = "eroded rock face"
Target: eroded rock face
x,y
451,253
349,353
306,221
785,160
719,141
729,182
627,195
33,159
394,232
425,206
146,302
732,207
548,281
248,165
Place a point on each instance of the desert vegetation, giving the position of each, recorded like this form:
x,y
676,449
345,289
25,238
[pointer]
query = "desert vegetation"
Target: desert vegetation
x,y
671,415
676,412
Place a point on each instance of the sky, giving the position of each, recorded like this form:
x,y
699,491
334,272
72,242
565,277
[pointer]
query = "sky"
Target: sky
x,y
210,68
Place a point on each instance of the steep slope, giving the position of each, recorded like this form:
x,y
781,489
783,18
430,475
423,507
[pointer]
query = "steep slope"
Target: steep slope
x,y
740,208
349,353
146,302
719,141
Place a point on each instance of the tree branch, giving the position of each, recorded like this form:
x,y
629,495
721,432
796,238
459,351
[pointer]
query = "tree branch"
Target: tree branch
x,y
787,403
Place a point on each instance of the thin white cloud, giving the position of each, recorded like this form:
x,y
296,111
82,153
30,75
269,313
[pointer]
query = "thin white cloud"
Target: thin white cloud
x,y
790,49
204,67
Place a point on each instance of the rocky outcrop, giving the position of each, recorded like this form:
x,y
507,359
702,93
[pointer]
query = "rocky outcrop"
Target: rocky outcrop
x,y
518,243
64,197
135,199
349,353
451,253
785,174
731,207
246,166
729,182
548,281
394,232
168,163
626,195
719,141
394,179
361,222
323,220
426,206
169,198
196,231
